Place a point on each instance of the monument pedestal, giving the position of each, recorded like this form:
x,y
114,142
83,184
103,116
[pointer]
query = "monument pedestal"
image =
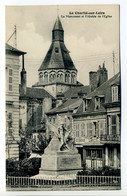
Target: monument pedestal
x,y
57,164
60,163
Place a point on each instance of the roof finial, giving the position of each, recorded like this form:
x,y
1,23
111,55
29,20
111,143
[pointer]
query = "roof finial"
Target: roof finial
x,y
57,10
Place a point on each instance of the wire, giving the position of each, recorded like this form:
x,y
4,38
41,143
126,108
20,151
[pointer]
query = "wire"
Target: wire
x,y
11,36
81,58
77,60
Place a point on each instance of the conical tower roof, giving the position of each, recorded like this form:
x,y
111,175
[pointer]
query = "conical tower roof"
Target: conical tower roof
x,y
57,56
58,25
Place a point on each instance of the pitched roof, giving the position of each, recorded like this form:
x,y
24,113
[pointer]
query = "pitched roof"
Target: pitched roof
x,y
10,48
103,91
35,93
74,91
69,105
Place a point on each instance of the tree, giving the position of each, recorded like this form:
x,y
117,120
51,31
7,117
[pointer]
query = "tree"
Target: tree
x,y
25,143
29,144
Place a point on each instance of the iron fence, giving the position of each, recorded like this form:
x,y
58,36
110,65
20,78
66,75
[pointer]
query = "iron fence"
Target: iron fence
x,y
82,180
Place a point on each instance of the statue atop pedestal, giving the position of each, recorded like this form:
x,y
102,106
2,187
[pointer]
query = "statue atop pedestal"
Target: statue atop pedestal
x,y
61,156
61,141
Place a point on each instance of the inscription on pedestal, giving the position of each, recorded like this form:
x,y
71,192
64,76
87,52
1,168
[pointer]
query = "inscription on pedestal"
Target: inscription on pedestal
x,y
68,161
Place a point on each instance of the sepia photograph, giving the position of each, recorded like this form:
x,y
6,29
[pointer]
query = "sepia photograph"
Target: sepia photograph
x,y
63,98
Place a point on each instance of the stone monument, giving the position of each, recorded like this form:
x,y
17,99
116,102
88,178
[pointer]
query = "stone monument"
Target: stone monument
x,y
60,159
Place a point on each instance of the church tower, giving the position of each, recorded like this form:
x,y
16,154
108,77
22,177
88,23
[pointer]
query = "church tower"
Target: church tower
x,y
57,72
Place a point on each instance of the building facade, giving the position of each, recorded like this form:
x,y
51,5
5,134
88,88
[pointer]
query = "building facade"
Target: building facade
x,y
33,104
12,101
96,126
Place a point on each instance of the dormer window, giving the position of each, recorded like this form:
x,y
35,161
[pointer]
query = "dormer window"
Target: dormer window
x,y
114,93
75,110
56,49
97,103
86,104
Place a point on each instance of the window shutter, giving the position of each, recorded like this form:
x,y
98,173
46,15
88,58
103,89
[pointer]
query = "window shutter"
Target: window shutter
x,y
10,80
115,93
97,129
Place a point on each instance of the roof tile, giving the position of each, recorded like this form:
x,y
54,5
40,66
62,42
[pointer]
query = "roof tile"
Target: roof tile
x,y
36,93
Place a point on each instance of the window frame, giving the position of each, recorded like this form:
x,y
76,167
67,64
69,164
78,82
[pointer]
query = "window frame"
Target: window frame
x,y
56,49
114,93
77,134
10,76
85,105
89,129
114,124
97,103
10,120
45,77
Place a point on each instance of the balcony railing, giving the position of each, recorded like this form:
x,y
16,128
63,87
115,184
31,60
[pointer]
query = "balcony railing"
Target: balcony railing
x,y
103,138
110,138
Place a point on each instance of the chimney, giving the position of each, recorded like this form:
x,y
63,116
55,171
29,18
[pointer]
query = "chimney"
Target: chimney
x,y
102,75
92,80
23,77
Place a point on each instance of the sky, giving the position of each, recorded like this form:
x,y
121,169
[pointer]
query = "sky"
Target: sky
x,y
91,41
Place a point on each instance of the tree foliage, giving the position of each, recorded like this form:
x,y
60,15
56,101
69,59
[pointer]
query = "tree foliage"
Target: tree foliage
x,y
104,171
26,167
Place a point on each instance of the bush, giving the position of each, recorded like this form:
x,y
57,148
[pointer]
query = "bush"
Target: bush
x,y
109,171
26,167
30,167
12,167
105,171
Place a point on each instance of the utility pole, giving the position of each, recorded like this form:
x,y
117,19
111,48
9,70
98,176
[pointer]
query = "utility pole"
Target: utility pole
x,y
15,37
113,62
15,42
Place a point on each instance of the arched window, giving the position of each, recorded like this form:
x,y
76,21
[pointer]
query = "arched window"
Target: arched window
x,y
73,78
45,77
41,76
50,78
61,77
54,77
58,77
67,76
